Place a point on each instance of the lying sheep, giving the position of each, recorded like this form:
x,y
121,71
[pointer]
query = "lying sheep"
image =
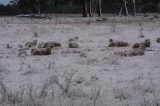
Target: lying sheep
x,y
120,53
22,52
73,45
41,51
137,52
31,44
73,39
158,40
50,44
42,45
135,46
134,52
113,43
145,43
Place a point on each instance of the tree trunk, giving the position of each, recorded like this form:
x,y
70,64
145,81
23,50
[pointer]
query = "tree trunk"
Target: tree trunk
x,y
126,9
158,7
94,9
134,4
39,11
84,8
120,11
99,8
38,7
90,8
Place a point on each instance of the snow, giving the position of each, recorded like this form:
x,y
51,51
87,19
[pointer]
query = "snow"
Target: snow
x,y
128,78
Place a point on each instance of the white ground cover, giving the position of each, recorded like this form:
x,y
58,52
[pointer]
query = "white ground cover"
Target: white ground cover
x,y
98,75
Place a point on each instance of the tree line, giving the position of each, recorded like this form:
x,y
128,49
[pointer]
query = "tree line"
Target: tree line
x,y
88,8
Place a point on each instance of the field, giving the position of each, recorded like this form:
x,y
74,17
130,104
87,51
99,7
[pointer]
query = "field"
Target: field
x,y
90,75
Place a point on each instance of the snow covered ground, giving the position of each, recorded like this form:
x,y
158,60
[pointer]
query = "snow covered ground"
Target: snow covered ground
x,y
87,76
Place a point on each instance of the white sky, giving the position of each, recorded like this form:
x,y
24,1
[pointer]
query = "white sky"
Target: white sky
x,y
4,1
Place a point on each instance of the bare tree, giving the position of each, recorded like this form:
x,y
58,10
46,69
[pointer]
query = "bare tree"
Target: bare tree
x,y
158,6
90,8
134,6
99,8
84,8
126,9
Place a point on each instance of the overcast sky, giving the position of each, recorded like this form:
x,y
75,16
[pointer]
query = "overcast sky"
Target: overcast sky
x,y
4,1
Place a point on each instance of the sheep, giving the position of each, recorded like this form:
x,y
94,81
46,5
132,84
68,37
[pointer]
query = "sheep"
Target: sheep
x,y
113,43
138,51
22,52
135,46
145,43
120,53
141,36
41,51
134,52
73,45
8,46
35,51
42,45
31,44
73,39
50,44
35,34
158,40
